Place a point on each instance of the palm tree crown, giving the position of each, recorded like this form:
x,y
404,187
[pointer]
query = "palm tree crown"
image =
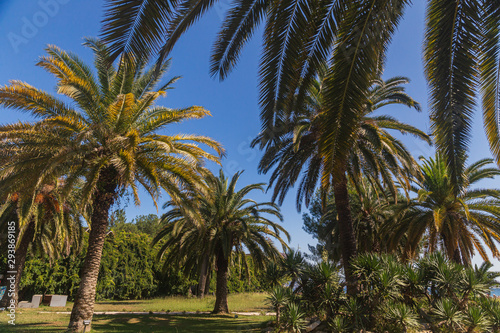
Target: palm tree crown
x,y
375,154
458,225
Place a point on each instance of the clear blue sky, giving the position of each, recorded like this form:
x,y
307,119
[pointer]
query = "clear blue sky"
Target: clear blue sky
x,y
27,26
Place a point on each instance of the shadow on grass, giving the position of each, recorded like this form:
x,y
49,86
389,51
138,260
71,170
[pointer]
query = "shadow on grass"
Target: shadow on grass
x,y
188,323
152,324
119,303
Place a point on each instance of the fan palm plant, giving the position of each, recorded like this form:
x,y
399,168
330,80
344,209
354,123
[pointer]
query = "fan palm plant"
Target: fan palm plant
x,y
375,156
459,224
109,137
44,221
223,223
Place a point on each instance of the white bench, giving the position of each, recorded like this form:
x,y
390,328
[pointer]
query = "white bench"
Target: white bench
x,y
58,300
35,302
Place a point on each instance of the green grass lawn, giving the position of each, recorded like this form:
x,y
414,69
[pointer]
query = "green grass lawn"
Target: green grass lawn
x,y
30,320
237,302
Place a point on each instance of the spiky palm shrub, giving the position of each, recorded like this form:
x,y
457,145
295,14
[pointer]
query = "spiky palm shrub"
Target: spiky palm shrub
x,y
273,275
380,278
294,318
109,136
300,38
339,325
477,320
399,317
278,298
293,265
296,155
447,315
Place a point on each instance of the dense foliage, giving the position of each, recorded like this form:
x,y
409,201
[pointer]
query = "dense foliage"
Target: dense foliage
x,y
129,270
393,296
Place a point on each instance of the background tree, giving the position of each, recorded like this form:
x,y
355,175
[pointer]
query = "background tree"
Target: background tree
x,y
44,222
109,138
224,224
458,225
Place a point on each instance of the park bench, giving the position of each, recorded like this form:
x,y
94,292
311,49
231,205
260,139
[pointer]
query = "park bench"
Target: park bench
x,y
35,302
55,300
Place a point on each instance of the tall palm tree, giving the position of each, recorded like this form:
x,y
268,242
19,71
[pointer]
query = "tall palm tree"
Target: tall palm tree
x,y
44,221
296,152
109,136
225,223
458,225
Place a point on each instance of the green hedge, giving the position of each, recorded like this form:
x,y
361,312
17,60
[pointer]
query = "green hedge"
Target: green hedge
x,y
129,270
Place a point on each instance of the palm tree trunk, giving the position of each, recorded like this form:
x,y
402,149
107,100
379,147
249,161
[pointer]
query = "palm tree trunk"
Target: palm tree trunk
x,y
20,255
104,197
346,231
203,277
209,277
221,289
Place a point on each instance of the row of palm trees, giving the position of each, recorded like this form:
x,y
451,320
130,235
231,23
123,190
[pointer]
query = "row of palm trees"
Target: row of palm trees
x,y
352,36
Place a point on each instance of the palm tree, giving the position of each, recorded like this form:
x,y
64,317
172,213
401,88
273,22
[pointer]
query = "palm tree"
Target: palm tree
x,y
297,152
44,221
278,298
109,137
224,223
458,225
187,248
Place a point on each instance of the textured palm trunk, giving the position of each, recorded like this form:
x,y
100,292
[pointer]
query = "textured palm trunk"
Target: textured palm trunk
x,y
207,284
20,255
203,277
221,289
346,231
83,308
